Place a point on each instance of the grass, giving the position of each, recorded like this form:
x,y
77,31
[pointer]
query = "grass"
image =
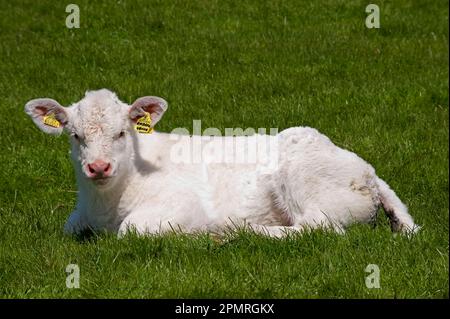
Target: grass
x,y
382,93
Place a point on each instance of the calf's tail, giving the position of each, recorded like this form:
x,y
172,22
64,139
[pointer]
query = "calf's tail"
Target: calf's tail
x,y
396,211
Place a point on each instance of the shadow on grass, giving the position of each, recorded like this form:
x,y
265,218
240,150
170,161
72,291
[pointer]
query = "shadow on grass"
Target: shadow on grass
x,y
87,235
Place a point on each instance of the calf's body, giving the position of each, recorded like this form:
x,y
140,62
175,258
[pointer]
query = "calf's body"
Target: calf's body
x,y
152,187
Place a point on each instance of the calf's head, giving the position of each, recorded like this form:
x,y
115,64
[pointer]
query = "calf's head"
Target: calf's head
x,y
101,130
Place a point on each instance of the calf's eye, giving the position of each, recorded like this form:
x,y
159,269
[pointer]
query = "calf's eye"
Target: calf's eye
x,y
121,134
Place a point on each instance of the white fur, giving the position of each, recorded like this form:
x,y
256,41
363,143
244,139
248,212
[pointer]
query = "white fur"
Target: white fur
x,y
316,183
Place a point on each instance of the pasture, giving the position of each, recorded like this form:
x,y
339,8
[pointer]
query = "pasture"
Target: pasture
x,y
382,93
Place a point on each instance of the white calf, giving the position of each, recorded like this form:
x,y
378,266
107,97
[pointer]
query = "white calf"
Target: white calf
x,y
131,180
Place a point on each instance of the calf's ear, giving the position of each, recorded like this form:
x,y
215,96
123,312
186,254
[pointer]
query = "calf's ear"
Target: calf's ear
x,y
153,105
47,114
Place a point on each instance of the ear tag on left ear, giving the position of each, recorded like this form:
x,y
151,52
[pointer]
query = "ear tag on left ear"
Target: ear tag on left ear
x,y
50,120
144,124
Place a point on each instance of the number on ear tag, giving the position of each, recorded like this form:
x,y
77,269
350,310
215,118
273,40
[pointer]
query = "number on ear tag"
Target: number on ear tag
x,y
50,120
144,124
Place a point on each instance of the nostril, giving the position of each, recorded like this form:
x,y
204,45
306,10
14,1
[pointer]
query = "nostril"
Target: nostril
x,y
107,168
91,169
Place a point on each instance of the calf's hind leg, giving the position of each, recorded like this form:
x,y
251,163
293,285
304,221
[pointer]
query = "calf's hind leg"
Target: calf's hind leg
x,y
314,220
274,231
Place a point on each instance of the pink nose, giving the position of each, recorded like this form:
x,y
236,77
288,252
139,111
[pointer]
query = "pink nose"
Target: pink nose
x,y
98,169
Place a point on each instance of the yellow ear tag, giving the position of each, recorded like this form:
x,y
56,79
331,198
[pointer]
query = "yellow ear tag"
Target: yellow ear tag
x,y
143,125
50,120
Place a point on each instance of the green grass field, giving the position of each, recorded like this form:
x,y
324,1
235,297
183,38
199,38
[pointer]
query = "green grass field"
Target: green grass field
x,y
382,93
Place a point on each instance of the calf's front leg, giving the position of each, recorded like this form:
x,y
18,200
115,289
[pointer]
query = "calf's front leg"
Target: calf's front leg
x,y
75,224
187,218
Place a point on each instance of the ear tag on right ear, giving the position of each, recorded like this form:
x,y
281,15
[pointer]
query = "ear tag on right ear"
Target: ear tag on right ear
x,y
50,120
144,124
